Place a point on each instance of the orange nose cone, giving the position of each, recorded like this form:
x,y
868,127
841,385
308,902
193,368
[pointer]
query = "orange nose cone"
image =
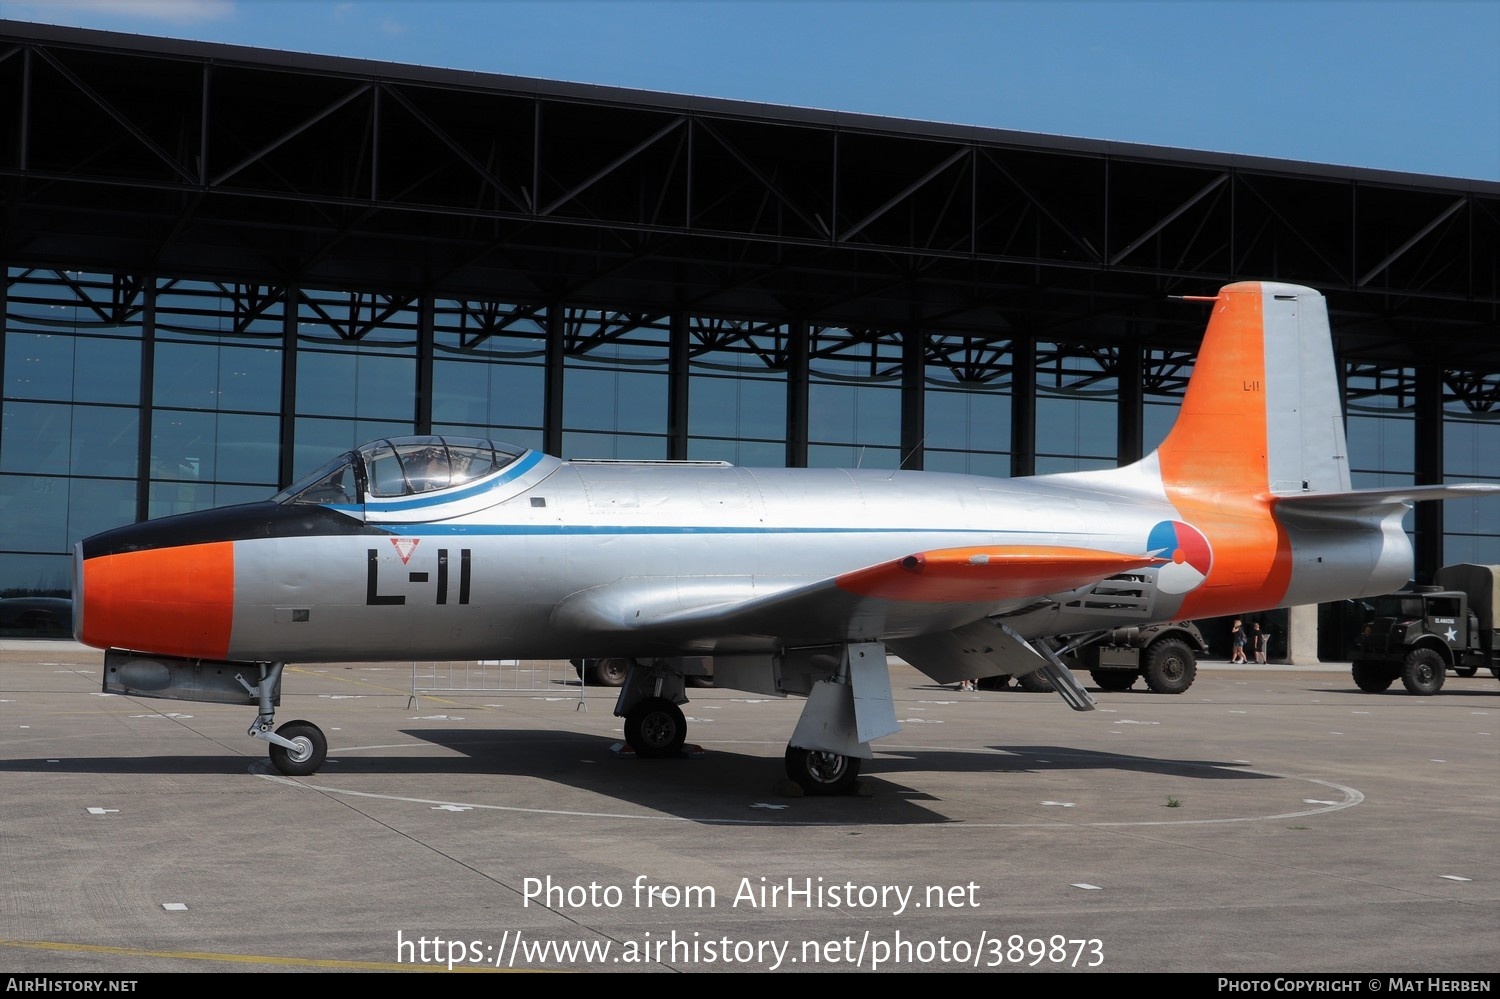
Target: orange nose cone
x,y
171,601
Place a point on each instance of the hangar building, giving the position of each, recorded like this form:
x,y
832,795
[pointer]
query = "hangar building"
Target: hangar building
x,y
224,265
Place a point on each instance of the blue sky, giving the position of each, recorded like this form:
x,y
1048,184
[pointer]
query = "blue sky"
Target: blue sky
x,y
1386,84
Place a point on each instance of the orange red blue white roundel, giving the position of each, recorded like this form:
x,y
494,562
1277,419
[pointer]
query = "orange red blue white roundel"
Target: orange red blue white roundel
x,y
1186,556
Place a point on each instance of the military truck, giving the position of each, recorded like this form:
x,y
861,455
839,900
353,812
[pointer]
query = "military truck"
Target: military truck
x,y
1164,655
1418,635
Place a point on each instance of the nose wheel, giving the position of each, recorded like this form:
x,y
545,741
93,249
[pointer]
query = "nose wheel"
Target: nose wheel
x,y
305,752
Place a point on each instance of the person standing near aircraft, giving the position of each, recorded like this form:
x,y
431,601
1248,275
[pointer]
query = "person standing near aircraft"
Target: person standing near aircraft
x,y
1259,641
1237,642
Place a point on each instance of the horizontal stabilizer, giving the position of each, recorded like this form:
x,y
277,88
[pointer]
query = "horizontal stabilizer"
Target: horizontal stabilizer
x,y
1352,500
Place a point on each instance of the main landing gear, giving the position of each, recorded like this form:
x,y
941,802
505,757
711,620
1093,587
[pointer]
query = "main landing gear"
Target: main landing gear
x,y
298,748
650,702
819,772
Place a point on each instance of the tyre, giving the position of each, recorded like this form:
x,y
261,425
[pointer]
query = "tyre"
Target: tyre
x,y
308,753
610,672
1112,679
1466,670
1372,678
821,773
1170,666
1423,672
655,728
1035,682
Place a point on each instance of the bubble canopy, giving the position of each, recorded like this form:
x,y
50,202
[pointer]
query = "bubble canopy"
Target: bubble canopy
x,y
400,466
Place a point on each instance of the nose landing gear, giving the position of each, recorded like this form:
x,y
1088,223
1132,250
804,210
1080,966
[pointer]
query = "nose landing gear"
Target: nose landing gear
x,y
298,748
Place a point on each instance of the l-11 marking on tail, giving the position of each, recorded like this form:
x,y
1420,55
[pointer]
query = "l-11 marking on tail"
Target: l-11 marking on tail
x,y
794,581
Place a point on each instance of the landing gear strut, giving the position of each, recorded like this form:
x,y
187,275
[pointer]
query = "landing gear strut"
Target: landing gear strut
x,y
298,748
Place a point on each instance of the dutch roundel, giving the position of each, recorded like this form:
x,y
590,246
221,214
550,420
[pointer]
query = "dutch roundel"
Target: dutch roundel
x,y
1185,554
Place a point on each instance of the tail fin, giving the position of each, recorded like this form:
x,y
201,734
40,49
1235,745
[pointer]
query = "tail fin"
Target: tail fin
x,y
1262,412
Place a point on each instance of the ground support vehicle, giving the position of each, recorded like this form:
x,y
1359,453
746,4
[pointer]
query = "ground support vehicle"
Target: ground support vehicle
x,y
1418,635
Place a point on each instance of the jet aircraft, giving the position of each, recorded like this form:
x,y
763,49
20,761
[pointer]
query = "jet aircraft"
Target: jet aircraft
x,y
795,581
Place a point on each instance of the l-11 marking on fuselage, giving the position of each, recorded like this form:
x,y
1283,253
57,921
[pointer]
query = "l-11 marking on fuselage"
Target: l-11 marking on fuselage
x,y
794,581
374,598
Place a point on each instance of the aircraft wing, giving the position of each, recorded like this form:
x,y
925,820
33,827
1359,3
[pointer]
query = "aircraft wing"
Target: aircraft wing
x,y
917,594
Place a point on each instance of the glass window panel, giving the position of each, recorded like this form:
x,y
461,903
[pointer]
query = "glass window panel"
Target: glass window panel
x,y
1083,427
370,387
39,366
105,440
36,437
1471,449
852,456
1157,418
624,401
51,513
318,440
49,366
620,446
108,370
863,414
35,574
996,465
33,513
748,454
1047,464
207,376
976,420
1378,443
248,448
460,392
517,436
96,505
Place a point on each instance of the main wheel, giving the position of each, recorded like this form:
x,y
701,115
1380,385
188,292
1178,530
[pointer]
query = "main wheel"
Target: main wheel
x,y
656,728
310,749
1170,666
1372,678
611,672
1112,679
819,772
1423,672
1036,682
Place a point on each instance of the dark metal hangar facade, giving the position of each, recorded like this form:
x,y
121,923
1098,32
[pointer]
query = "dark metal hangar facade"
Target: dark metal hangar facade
x,y
225,264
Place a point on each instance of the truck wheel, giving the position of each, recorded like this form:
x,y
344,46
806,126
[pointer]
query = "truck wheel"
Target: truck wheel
x,y
1423,672
1035,682
1112,679
1466,670
1170,666
1372,678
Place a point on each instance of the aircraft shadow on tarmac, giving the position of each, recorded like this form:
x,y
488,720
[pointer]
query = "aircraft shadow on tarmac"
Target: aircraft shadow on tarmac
x,y
713,787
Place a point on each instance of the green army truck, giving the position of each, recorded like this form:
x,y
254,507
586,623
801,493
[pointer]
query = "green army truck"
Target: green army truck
x,y
1418,635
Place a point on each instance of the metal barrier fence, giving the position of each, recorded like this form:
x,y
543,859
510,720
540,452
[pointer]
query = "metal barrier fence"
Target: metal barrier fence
x,y
495,676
